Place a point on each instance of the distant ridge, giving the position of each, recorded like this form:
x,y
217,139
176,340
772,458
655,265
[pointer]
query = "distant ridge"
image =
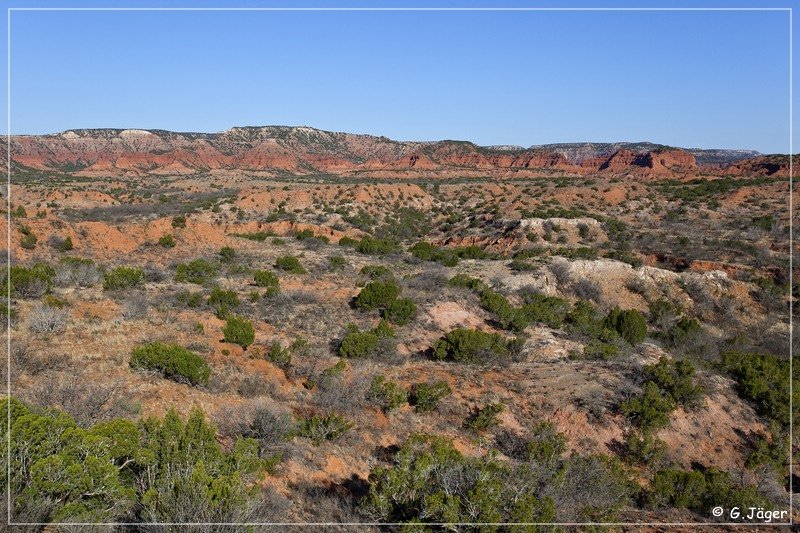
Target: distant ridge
x,y
576,153
303,150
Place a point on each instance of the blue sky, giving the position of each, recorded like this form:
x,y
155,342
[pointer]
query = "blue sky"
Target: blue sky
x,y
694,79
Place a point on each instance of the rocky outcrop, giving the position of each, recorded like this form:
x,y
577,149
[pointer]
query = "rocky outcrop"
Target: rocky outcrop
x,y
620,161
656,162
669,159
767,165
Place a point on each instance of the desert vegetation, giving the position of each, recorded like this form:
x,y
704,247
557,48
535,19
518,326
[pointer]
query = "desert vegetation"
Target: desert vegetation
x,y
564,347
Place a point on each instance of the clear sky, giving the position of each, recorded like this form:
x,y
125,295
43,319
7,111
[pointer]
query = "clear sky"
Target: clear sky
x,y
692,79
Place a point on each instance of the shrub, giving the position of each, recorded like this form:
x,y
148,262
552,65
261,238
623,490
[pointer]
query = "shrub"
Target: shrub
x,y
173,361
431,481
383,330
239,331
305,234
506,315
28,240
764,222
135,306
300,347
189,476
485,417
521,265
467,282
764,380
676,379
643,449
593,488
771,295
663,311
227,254
223,297
270,428
358,344
65,245
189,299
336,262
768,453
372,246
473,346
265,278
54,301
630,324
222,312
279,356
471,252
430,252
198,271
47,319
599,350
322,428
317,241
528,253
290,263
331,376
387,395
683,332
122,278
425,251
549,310
562,270
76,271
376,271
650,410
587,289
677,488
167,241
584,318
377,294
401,311
425,396
179,221
348,241
537,308
700,491
669,384
449,259
545,444
29,282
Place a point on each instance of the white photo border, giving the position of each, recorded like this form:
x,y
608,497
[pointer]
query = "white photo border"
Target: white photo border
x,y
390,9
